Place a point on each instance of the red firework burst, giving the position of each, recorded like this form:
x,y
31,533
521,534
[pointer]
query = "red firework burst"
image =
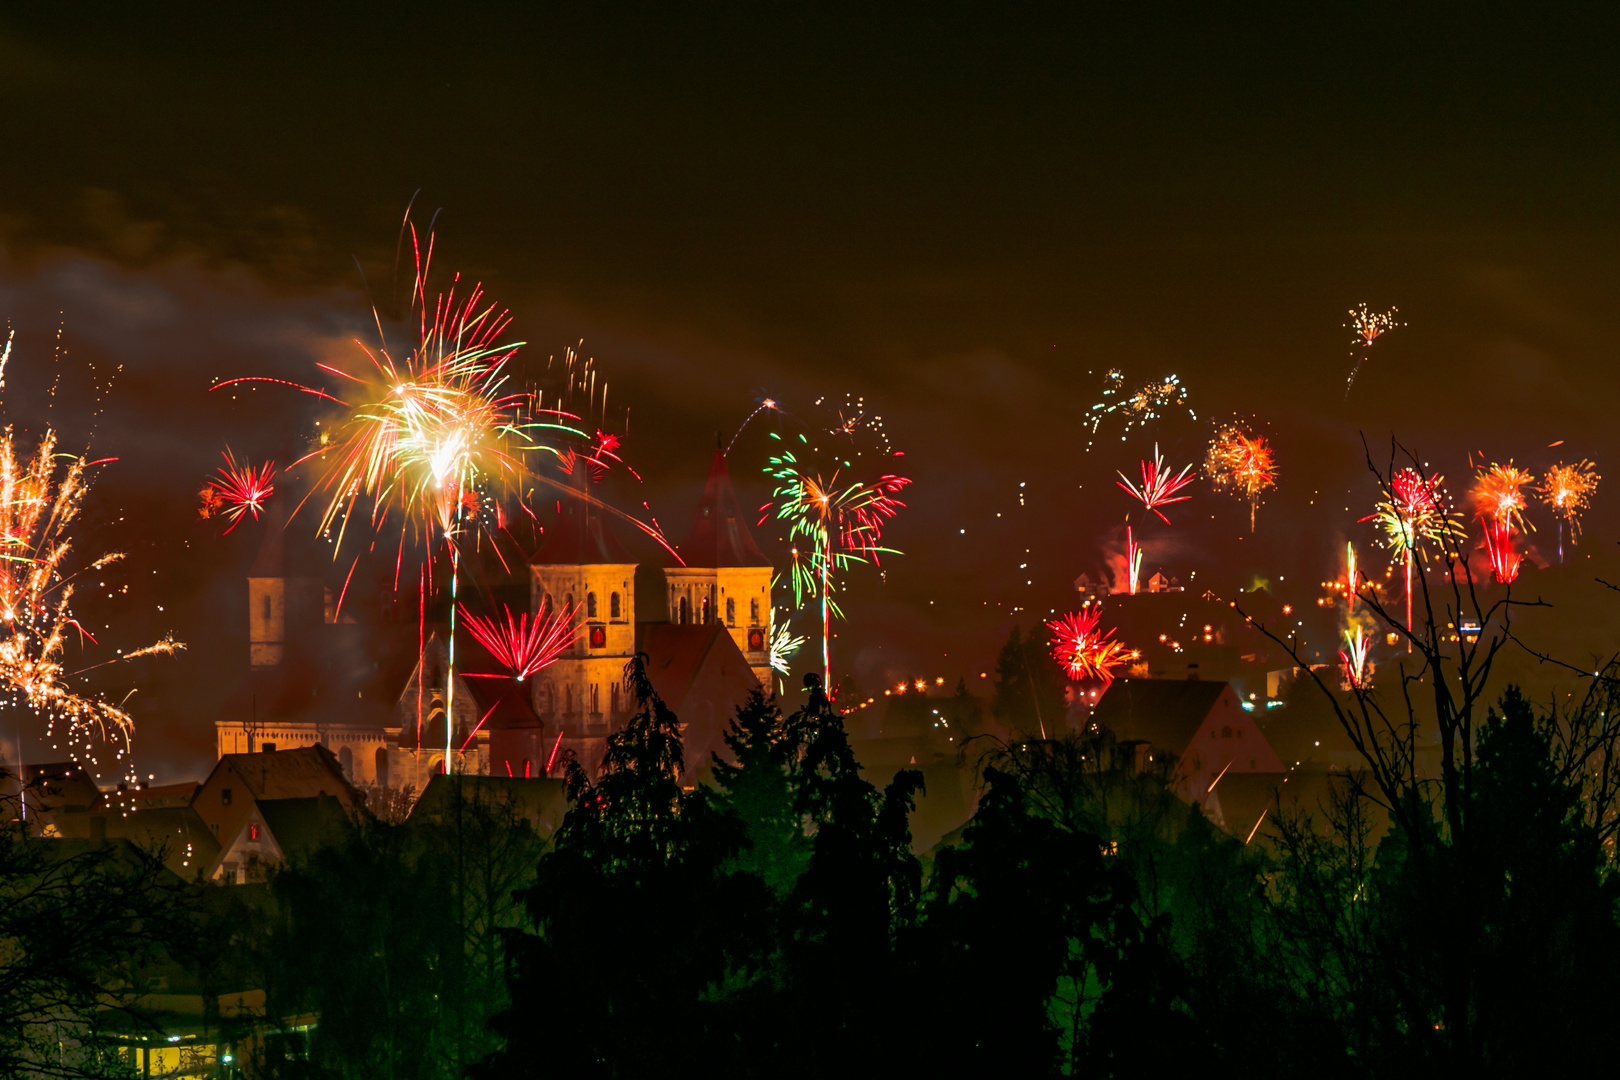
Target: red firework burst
x,y
1159,484
1083,649
239,489
522,647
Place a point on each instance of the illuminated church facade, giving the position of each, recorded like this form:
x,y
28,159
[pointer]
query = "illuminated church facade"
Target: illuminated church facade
x,y
380,694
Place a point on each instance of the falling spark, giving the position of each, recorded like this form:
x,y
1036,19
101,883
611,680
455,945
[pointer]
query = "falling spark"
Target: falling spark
x,y
1159,484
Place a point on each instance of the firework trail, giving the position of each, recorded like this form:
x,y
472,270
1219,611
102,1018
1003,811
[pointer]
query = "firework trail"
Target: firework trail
x,y
40,499
1412,514
1368,326
1159,484
520,646
1353,657
1241,464
1085,651
765,405
1499,501
238,490
1568,490
1138,408
1133,562
834,523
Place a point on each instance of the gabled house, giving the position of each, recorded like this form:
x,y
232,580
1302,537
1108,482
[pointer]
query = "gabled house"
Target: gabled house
x,y
229,801
274,831
1201,724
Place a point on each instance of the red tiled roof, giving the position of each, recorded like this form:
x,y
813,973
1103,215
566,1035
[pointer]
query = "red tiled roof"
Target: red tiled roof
x,y
675,655
719,535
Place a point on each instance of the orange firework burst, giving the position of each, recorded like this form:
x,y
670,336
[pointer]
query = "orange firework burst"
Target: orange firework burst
x,y
1499,501
1568,490
1242,464
1085,651
238,490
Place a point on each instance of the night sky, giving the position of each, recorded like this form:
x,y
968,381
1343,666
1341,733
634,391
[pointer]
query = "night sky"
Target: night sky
x,y
966,214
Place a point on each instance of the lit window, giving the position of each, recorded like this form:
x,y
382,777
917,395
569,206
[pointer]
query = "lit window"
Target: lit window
x,y
224,796
253,831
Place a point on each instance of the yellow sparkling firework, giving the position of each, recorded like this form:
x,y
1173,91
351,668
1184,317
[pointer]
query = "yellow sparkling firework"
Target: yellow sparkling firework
x,y
1568,490
40,498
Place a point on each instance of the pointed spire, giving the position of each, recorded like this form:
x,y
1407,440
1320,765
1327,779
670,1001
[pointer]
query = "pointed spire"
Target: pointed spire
x,y
581,536
719,536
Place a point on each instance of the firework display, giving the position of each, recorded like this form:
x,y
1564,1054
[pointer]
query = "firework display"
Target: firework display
x,y
835,524
1083,649
1368,327
1241,464
1353,657
520,646
1140,407
41,495
1412,514
1159,484
239,490
1567,490
1499,500
1133,562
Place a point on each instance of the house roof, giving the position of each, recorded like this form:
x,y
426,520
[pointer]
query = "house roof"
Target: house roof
x,y
581,535
1163,712
290,774
301,825
719,536
676,654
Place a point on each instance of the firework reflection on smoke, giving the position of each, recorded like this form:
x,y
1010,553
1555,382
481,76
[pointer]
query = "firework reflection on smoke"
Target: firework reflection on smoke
x,y
1241,464
1159,484
1146,404
1368,326
1084,650
1499,500
1568,490
238,490
40,499
522,647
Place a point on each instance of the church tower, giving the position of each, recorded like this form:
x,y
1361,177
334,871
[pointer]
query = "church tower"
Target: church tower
x,y
582,694
726,578
280,606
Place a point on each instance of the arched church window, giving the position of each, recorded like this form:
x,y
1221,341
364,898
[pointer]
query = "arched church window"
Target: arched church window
x,y
753,613
346,760
382,766
266,607
590,605
545,607
704,615
596,697
731,611
686,611
613,606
